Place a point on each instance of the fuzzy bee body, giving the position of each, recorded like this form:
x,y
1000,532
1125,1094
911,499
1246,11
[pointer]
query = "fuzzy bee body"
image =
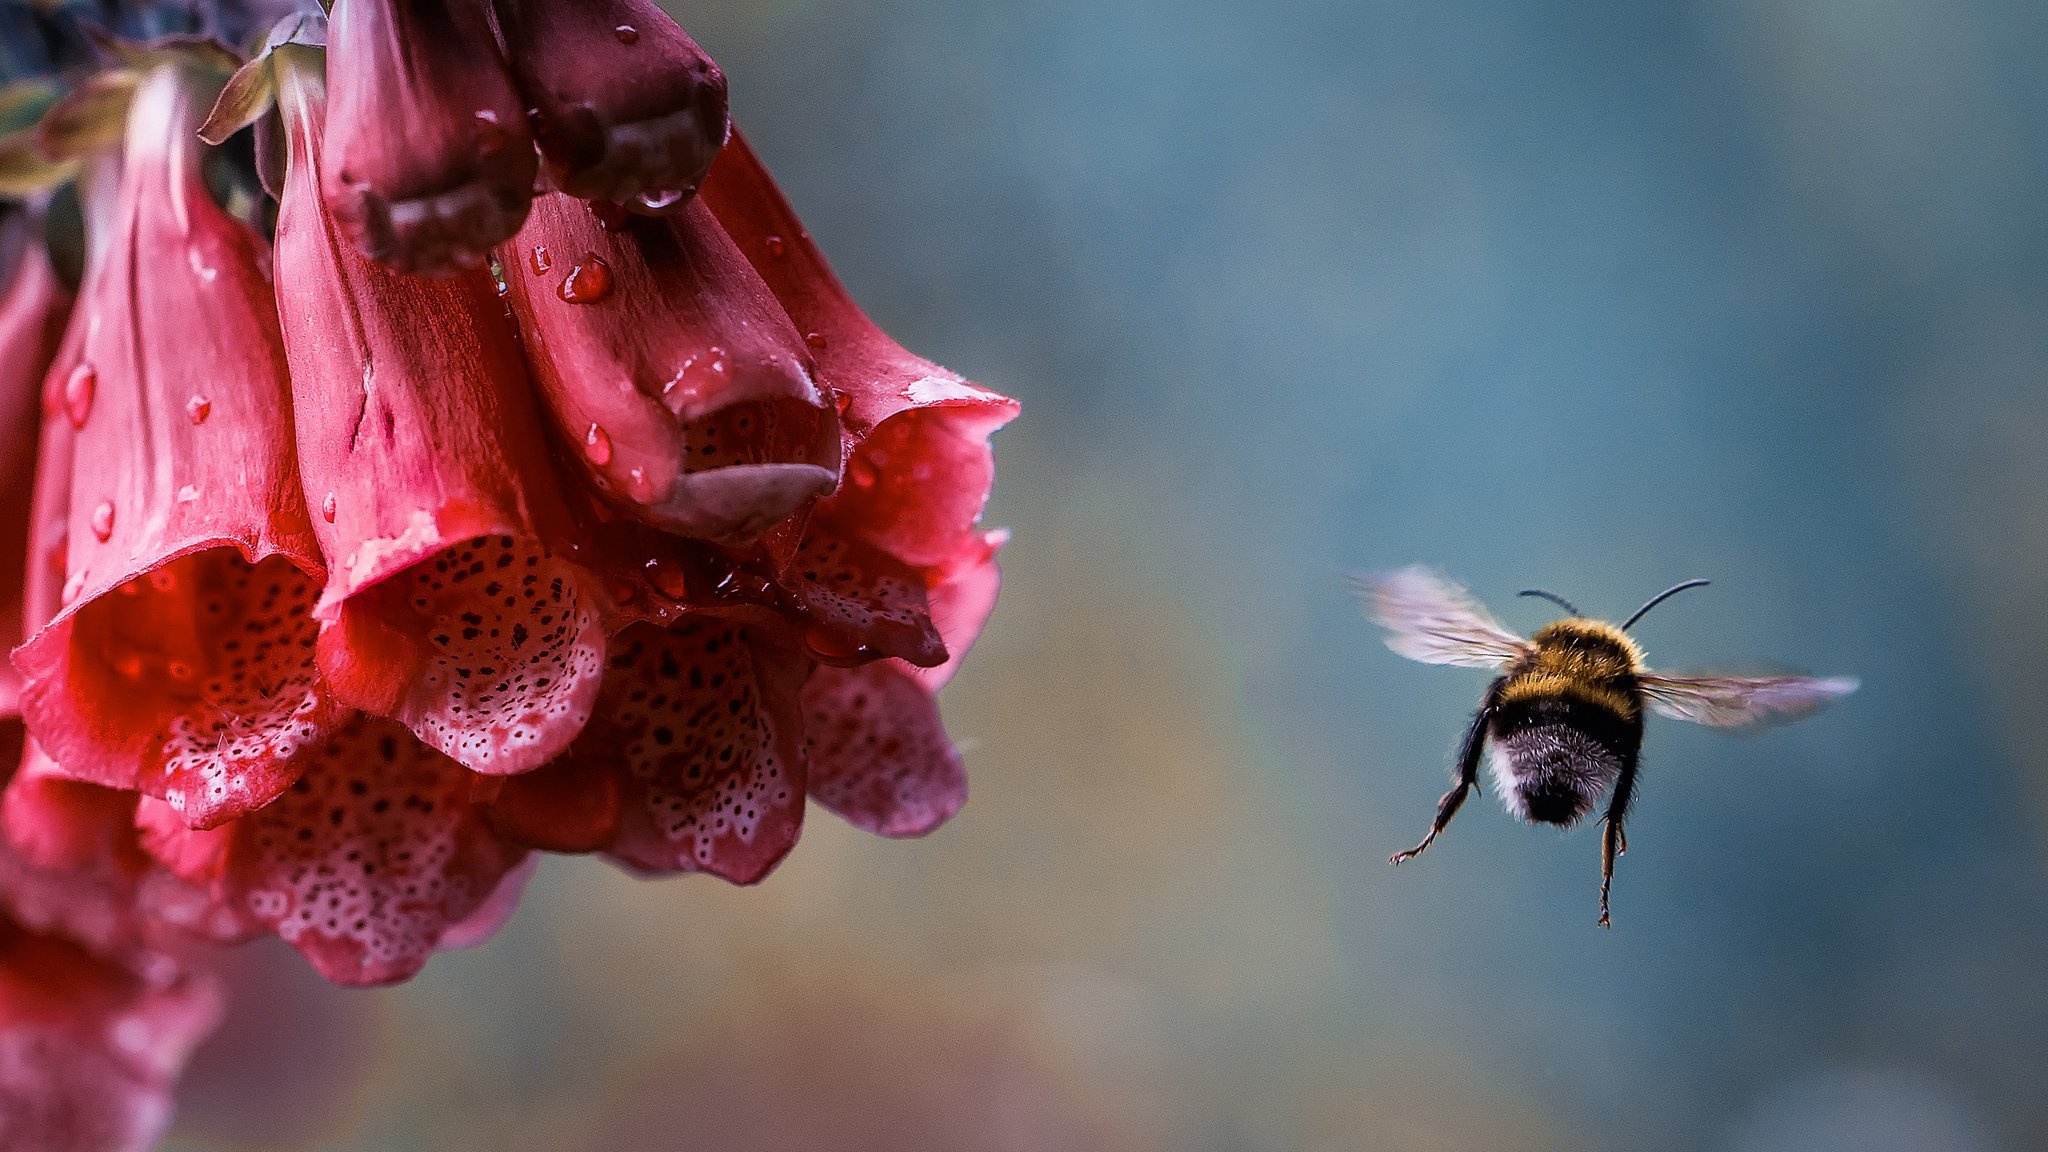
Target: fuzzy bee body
x,y
1562,725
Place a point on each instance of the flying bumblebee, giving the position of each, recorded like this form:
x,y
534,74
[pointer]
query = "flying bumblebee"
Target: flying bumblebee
x,y
1564,719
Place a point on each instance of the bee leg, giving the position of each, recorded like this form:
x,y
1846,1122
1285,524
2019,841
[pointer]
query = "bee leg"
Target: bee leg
x,y
1468,774
1613,834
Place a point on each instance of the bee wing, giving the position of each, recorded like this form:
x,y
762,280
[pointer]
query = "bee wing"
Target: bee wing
x,y
1431,619
1742,701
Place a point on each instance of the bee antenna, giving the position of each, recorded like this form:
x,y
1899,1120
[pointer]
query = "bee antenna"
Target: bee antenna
x,y
1553,597
1661,597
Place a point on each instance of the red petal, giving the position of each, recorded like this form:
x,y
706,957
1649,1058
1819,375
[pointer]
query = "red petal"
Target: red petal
x,y
853,356
370,858
703,724
878,755
431,162
445,608
32,315
682,384
183,663
915,486
961,602
563,807
626,106
860,601
89,1049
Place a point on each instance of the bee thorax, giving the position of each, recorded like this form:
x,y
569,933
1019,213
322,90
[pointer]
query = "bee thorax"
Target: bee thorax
x,y
1551,773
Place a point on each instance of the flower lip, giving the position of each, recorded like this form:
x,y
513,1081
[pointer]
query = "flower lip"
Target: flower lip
x,y
626,106
430,159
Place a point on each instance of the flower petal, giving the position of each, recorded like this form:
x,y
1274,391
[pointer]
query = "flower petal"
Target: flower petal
x,y
447,606
879,756
675,373
370,858
626,106
860,602
431,163
183,663
32,315
88,1048
703,724
853,356
962,601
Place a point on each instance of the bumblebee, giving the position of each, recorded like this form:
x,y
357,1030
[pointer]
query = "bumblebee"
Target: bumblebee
x,y
1563,722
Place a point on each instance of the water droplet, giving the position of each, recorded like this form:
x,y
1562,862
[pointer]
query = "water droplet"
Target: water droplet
x,y
842,401
129,665
200,267
74,585
829,644
103,520
78,393
491,136
587,282
542,262
815,339
597,446
717,355
861,471
163,580
327,508
188,493
197,409
610,213
129,588
776,247
627,34
639,487
668,578
179,670
663,199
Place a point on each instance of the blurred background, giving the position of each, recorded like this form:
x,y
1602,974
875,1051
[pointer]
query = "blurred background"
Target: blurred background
x,y
1585,296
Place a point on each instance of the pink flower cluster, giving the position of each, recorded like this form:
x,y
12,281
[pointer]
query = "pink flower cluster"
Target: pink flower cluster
x,y
531,484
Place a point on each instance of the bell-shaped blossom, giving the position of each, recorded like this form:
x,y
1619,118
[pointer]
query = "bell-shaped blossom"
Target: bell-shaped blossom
x,y
430,160
665,361
33,308
419,443
378,856
90,1046
698,742
182,663
627,108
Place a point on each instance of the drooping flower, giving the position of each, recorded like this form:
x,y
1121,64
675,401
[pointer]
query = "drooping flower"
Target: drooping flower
x,y
429,159
668,364
182,663
419,442
625,105
90,1046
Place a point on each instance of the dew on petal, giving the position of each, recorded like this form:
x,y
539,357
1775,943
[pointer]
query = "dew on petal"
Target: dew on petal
x,y
815,339
861,471
164,580
663,199
78,393
639,487
540,259
627,34
668,578
103,520
491,136
197,409
776,247
597,446
200,268
74,585
829,644
327,507
587,282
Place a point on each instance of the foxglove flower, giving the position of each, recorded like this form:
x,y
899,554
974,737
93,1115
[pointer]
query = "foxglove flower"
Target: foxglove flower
x,y
90,1046
33,309
627,108
182,663
418,442
429,160
670,367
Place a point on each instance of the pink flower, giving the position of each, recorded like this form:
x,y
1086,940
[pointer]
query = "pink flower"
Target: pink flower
x,y
429,161
447,606
32,314
627,108
666,362
182,663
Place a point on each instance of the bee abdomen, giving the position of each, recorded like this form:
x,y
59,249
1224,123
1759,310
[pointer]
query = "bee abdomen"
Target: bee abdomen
x,y
1554,758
